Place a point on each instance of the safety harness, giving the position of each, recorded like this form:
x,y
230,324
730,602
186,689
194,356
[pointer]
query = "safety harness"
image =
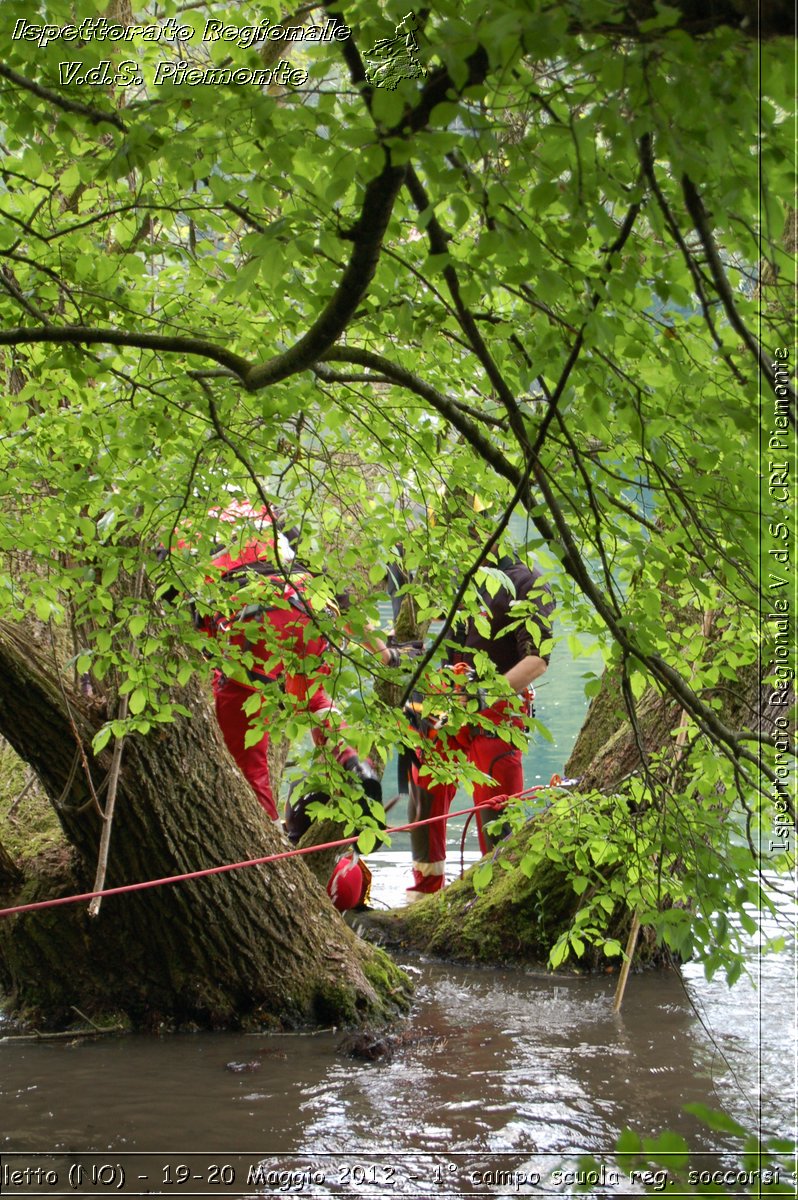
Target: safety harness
x,y
281,590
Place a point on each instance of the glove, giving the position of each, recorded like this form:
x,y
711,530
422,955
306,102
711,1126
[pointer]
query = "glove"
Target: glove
x,y
465,673
415,649
399,650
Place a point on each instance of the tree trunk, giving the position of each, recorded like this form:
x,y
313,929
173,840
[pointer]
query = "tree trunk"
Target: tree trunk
x,y
261,944
9,872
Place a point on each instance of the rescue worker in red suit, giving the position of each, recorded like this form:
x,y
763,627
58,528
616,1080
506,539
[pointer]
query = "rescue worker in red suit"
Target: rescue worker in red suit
x,y
519,652
273,626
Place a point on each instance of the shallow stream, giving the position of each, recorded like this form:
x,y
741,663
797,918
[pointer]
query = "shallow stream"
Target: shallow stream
x,y
510,1079
512,1076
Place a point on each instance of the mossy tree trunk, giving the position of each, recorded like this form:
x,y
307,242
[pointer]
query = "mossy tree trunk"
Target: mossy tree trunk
x,y
515,920
9,872
262,944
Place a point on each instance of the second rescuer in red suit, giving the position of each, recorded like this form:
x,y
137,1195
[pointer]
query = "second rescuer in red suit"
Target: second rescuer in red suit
x,y
518,651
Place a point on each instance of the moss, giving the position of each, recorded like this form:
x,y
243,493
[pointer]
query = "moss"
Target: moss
x,y
335,1004
516,919
33,828
261,1020
344,1001
388,980
605,717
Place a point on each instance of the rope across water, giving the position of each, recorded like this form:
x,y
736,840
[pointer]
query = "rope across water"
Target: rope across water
x,y
495,803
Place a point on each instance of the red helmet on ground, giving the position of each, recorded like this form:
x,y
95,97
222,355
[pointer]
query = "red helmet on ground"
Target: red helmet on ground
x,y
350,883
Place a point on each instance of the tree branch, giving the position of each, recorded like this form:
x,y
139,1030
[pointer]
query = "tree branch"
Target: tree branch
x,y
375,212
695,207
438,244
468,576
95,115
368,232
647,163
82,335
448,408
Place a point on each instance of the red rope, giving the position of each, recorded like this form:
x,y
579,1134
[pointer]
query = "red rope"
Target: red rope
x,y
497,802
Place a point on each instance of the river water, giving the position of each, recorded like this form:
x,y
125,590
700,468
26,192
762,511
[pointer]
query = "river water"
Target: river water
x,y
505,1079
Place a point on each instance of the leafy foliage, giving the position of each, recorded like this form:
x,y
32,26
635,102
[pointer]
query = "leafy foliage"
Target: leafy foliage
x,y
529,273
766,1165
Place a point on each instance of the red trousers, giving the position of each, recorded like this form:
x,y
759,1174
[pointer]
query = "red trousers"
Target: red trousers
x,y
253,761
307,691
496,758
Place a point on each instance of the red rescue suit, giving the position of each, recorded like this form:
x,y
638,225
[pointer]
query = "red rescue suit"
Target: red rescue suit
x,y
278,621
230,695
506,643
500,760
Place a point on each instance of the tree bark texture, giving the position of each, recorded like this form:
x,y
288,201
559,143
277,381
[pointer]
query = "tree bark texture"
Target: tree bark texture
x,y
262,944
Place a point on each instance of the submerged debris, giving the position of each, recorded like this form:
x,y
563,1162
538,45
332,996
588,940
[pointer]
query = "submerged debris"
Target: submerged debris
x,y
370,1046
255,1064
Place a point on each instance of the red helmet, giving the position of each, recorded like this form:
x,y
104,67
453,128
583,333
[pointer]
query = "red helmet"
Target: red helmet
x,y
249,535
350,883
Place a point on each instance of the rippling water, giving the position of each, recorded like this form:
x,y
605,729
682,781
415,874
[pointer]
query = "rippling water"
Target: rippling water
x,y
512,1075
512,1072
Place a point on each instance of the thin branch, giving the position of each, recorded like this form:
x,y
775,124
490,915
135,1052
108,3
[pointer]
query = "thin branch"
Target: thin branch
x,y
439,244
647,162
465,582
329,376
95,115
113,783
378,201
10,285
79,335
695,207
448,408
20,796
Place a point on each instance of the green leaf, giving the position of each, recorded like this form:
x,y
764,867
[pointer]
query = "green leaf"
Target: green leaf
x,y
366,841
482,876
252,737
43,608
101,739
628,1143
559,952
670,1148
110,573
715,1119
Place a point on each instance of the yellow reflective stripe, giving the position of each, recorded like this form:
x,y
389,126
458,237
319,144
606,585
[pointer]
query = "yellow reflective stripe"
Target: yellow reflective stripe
x,y
429,868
